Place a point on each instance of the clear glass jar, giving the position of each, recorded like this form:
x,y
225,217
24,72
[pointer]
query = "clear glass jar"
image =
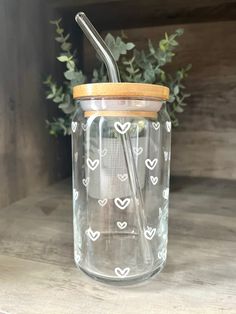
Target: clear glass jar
x,y
121,160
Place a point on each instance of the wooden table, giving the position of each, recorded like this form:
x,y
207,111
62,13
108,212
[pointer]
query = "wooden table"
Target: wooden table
x,y
37,272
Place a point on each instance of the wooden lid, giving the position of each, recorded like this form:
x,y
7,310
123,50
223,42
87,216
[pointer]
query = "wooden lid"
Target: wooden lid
x,y
121,90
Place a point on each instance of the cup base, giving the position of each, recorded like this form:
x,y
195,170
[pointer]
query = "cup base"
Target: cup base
x,y
131,280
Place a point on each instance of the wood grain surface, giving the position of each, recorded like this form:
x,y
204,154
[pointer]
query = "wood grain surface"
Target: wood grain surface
x,y
38,276
108,14
29,157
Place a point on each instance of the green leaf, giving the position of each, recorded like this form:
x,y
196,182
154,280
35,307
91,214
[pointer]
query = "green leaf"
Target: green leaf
x,y
55,22
59,39
50,96
110,41
63,58
178,109
66,46
130,46
59,31
126,62
48,80
174,43
70,65
130,70
67,108
171,98
150,46
57,99
116,54
162,45
122,48
53,88
69,75
176,90
188,67
179,31
95,73
149,76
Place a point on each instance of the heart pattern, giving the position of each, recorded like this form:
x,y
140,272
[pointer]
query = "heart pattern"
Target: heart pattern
x,y
149,233
122,204
93,235
162,254
122,128
85,181
122,273
84,126
154,180
151,164
76,156
75,194
102,152
122,177
138,150
92,164
121,225
168,126
74,126
164,236
166,154
102,202
156,125
165,193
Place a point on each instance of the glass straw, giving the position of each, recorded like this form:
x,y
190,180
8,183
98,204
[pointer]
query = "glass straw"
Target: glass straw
x,y
114,76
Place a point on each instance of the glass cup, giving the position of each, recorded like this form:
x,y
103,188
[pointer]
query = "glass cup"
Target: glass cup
x,y
121,137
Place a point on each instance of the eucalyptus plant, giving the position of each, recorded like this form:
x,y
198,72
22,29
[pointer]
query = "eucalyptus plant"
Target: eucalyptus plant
x,y
140,66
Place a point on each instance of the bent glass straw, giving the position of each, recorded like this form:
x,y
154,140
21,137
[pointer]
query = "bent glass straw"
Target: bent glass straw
x,y
114,76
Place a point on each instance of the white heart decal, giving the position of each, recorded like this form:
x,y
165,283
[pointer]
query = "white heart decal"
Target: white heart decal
x,y
76,156
122,272
93,235
76,194
102,202
74,126
121,225
162,254
151,164
122,204
122,177
92,164
156,125
154,180
166,155
122,128
168,126
102,152
138,150
164,236
165,193
149,233
84,126
85,181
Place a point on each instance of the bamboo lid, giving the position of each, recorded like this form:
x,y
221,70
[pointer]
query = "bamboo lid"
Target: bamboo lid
x,y
139,90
